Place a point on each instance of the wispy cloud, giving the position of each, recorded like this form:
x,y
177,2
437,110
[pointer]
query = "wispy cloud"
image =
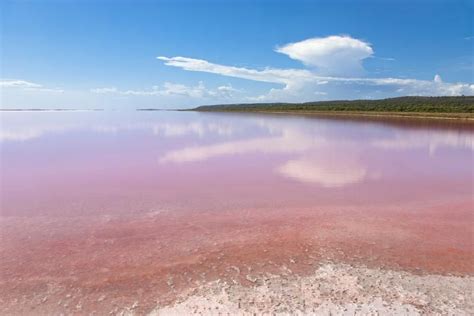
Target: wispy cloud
x,y
331,68
386,58
105,90
271,75
26,85
296,80
12,83
173,89
330,60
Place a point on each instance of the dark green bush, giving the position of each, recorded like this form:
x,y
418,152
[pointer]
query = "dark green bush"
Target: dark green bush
x,y
462,104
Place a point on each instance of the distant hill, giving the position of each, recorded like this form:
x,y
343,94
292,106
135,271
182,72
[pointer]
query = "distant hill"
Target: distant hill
x,y
461,104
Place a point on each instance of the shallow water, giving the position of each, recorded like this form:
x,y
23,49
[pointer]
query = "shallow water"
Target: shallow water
x,y
70,163
121,201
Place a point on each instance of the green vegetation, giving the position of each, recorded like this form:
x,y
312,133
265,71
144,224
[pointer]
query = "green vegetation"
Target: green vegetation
x,y
462,104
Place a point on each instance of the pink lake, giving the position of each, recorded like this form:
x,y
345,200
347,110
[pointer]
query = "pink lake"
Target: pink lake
x,y
116,204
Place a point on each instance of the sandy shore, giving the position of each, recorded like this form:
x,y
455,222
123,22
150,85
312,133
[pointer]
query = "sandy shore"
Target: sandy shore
x,y
333,289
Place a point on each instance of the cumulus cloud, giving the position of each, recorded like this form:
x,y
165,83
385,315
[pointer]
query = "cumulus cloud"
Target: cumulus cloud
x,y
333,69
332,55
301,83
332,64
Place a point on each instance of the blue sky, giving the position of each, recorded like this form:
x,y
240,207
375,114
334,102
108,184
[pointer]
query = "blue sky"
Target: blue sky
x,y
86,54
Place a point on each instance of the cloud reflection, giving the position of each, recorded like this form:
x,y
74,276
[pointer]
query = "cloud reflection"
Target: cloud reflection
x,y
329,153
22,126
432,140
283,144
317,160
323,171
197,128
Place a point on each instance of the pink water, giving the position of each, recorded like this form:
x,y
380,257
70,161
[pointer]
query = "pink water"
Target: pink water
x,y
117,203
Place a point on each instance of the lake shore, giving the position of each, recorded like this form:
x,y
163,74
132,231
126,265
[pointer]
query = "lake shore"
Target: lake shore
x,y
461,117
167,262
445,108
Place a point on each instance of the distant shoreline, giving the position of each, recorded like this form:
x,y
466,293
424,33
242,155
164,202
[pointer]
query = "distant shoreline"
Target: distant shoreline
x,y
452,108
466,117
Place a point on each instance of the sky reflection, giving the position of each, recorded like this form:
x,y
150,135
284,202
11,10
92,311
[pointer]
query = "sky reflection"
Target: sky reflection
x,y
227,160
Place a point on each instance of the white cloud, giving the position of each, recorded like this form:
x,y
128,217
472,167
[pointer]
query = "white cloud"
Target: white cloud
x,y
386,58
104,90
173,89
334,58
332,55
26,85
437,87
332,63
12,83
283,76
300,84
169,88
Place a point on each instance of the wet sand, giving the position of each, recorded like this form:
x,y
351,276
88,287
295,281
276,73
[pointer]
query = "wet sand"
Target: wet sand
x,y
109,264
